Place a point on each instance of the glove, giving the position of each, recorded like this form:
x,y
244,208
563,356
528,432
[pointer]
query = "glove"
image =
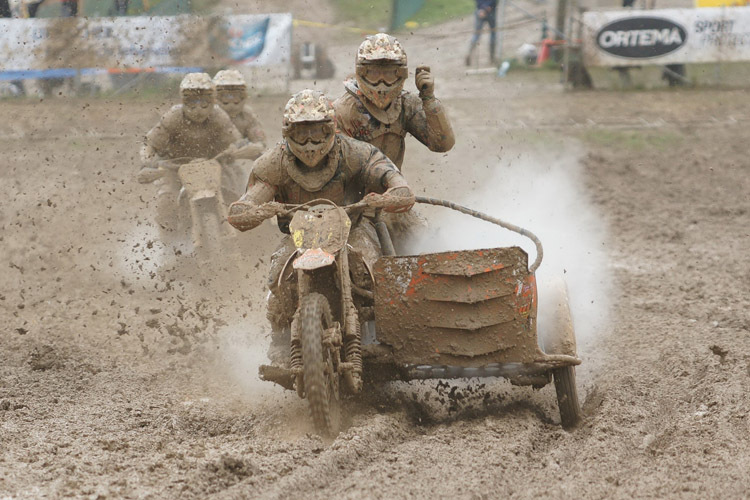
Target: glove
x,y
147,175
425,82
244,215
397,199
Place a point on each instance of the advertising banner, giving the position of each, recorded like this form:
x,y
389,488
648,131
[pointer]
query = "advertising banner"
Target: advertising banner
x,y
667,36
721,3
134,44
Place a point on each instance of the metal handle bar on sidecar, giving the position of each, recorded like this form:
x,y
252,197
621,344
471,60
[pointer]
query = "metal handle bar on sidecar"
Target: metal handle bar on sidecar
x,y
487,218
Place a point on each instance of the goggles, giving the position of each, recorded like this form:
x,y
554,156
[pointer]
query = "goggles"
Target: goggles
x,y
197,101
304,132
231,96
385,73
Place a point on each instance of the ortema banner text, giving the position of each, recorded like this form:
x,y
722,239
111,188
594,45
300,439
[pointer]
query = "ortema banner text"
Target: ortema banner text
x,y
132,44
668,36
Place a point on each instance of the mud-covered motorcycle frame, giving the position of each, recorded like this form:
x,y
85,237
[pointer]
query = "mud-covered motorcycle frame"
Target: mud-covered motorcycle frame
x,y
200,184
321,264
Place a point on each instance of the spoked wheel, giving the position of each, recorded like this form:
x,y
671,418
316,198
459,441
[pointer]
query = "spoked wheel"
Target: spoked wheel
x,y
320,376
567,396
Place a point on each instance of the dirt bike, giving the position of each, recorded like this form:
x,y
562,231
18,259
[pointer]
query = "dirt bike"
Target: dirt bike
x,y
325,357
200,193
457,314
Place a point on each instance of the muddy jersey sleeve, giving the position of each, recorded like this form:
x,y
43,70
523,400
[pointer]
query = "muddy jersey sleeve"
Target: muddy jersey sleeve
x,y
265,178
249,211
347,116
376,172
427,121
159,137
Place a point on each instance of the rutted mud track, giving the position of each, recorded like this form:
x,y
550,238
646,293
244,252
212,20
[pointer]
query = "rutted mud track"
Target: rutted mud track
x,y
121,379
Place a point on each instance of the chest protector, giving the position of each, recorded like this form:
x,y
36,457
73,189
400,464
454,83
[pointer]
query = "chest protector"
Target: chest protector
x,y
373,124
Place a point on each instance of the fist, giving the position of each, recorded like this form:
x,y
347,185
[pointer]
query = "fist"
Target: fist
x,y
425,82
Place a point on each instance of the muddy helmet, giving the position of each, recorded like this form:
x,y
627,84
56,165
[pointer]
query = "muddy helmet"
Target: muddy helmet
x,y
309,126
381,69
195,83
229,78
308,106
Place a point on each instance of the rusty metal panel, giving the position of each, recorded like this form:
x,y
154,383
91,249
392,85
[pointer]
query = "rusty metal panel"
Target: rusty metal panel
x,y
458,308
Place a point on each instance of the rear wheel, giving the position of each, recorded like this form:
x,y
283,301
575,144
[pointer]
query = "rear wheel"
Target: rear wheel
x,y
321,380
567,396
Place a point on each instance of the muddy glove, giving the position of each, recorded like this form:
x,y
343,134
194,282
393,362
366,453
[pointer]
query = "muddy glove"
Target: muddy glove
x,y
249,151
397,199
244,215
149,174
425,82
228,155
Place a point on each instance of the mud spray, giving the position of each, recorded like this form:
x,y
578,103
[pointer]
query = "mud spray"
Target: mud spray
x,y
546,195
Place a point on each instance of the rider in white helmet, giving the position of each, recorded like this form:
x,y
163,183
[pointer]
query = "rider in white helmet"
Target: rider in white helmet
x,y
231,95
376,109
197,128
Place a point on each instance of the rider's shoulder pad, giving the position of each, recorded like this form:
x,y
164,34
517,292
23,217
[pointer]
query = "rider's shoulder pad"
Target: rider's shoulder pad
x,y
270,166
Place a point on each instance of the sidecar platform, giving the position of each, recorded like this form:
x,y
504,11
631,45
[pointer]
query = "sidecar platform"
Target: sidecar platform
x,y
461,314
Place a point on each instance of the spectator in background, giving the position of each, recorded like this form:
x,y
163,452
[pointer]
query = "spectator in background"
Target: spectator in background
x,y
69,8
121,7
486,13
4,8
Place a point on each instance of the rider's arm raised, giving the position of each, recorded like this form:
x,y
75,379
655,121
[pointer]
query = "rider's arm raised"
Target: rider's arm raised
x,y
427,121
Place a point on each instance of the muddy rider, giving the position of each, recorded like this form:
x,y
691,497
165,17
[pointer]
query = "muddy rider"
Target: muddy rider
x,y
311,162
231,95
197,128
376,109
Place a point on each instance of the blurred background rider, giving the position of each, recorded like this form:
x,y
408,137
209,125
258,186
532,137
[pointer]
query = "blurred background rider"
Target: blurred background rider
x,y
231,96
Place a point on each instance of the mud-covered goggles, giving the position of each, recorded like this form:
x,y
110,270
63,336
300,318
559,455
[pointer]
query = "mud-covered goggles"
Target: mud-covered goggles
x,y
304,132
382,73
197,101
231,96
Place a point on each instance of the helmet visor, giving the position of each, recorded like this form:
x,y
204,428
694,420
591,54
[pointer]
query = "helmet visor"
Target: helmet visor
x,y
197,101
316,132
382,73
231,96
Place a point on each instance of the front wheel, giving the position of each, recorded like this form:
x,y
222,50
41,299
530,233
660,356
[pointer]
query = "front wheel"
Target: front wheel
x,y
321,380
567,396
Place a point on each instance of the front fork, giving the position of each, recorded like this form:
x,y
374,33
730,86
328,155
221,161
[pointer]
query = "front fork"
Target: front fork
x,y
351,365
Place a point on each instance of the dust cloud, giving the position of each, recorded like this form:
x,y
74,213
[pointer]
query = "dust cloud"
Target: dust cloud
x,y
546,195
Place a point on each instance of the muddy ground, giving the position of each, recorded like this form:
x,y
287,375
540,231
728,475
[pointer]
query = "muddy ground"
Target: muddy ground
x,y
128,369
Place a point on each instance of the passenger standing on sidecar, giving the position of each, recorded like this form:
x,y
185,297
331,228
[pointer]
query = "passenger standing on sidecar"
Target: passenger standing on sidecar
x,y
197,128
375,108
314,162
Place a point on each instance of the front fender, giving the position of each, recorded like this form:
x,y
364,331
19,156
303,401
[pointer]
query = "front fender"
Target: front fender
x,y
313,258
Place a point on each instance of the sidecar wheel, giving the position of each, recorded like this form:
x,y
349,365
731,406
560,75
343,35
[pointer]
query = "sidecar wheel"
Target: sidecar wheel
x,y
320,376
567,396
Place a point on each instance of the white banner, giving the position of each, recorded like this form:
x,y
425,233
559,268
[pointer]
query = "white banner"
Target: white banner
x,y
144,43
666,36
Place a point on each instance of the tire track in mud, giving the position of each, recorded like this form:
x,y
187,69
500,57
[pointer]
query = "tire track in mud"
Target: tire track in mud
x,y
350,449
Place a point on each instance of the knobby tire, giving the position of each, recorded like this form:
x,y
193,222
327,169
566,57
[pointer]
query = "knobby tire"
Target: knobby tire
x,y
320,387
567,396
